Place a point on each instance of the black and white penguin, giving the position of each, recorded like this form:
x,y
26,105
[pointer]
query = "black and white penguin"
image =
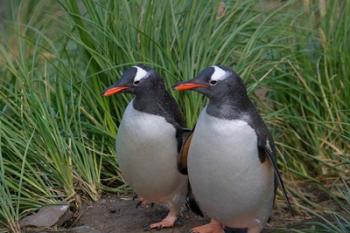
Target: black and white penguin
x,y
231,162
149,139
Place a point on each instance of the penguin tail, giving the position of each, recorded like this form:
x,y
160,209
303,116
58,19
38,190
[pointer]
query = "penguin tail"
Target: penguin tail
x,y
235,230
191,202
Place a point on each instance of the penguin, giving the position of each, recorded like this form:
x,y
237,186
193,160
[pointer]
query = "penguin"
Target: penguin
x,y
231,158
148,141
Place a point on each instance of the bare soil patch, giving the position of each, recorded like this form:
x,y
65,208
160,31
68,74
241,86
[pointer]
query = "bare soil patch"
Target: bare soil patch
x,y
112,214
120,215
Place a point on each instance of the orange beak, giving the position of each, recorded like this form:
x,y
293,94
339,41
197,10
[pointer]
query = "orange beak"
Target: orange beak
x,y
189,86
114,90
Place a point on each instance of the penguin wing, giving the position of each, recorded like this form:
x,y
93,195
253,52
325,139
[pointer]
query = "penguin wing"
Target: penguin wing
x,y
184,137
266,149
191,202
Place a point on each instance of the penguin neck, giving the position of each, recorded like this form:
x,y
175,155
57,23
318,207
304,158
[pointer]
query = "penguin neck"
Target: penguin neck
x,y
151,100
230,107
147,100
157,100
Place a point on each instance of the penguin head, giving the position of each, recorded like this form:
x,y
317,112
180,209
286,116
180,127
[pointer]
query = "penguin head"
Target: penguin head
x,y
214,82
137,80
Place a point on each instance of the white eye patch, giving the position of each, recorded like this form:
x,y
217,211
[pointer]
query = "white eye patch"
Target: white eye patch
x,y
140,74
219,74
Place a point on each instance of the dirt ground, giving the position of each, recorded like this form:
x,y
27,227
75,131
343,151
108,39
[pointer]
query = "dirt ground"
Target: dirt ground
x,y
114,215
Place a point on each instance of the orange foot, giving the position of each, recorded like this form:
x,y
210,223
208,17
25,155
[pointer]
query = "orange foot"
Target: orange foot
x,y
167,222
143,202
212,227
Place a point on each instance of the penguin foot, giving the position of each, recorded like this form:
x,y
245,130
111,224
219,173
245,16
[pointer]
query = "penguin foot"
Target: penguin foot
x,y
212,227
167,222
142,202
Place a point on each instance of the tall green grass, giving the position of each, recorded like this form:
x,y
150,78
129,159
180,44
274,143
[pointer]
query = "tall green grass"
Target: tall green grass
x,y
52,150
176,37
57,132
315,88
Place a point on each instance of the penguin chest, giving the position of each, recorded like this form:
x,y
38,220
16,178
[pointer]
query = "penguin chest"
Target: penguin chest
x,y
225,172
146,152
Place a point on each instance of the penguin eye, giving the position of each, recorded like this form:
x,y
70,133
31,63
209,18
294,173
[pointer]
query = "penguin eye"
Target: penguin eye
x,y
212,82
136,82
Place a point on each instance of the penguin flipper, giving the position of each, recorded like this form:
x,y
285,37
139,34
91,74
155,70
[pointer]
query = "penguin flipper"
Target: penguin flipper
x,y
265,150
184,141
191,202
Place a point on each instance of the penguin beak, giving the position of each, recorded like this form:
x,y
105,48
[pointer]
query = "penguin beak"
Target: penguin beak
x,y
114,90
189,86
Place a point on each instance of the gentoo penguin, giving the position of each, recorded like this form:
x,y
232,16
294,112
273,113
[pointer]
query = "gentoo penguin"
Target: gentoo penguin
x,y
231,161
149,139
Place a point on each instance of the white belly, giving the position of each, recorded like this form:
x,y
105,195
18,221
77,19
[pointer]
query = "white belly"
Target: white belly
x,y
146,151
228,179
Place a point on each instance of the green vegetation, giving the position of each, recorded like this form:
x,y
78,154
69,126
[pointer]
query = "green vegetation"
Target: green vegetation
x,y
57,132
